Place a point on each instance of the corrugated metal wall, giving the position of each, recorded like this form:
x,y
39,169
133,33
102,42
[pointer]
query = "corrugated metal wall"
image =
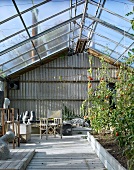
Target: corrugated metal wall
x,y
63,80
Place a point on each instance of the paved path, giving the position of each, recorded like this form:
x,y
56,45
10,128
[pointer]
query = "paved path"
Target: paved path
x,y
70,153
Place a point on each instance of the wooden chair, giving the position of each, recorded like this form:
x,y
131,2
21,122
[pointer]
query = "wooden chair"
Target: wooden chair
x,y
55,122
9,123
43,127
52,124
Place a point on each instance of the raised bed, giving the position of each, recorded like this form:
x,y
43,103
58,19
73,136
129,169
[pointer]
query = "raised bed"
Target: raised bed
x,y
106,158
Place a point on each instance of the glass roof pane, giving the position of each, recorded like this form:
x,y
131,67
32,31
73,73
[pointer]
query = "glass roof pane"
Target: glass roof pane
x,y
18,63
7,9
13,41
92,9
53,40
42,14
51,23
119,49
16,54
23,6
50,19
110,33
116,21
10,27
126,41
115,55
121,7
16,68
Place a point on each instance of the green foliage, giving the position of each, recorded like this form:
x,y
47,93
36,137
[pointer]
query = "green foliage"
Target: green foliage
x,y
120,119
130,13
67,113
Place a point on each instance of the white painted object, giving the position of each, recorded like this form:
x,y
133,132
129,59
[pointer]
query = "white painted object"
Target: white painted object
x,y
6,103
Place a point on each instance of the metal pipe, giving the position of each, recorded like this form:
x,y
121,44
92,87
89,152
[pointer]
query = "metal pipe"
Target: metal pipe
x,y
34,32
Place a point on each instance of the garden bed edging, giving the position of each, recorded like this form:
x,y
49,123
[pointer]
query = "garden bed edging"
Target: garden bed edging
x,y
106,158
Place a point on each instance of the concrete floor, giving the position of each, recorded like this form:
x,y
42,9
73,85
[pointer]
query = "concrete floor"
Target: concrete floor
x,y
68,153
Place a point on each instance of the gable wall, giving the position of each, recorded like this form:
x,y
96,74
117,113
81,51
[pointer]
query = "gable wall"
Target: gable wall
x,y
62,81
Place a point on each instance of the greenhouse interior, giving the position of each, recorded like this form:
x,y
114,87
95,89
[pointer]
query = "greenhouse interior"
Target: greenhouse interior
x,y
67,84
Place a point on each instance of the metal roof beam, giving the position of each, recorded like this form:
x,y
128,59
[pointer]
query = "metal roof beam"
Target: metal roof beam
x,y
29,9
35,56
36,24
106,24
95,24
100,35
111,12
39,46
124,52
40,34
83,17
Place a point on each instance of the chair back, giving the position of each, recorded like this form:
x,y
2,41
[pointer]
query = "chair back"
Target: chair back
x,y
54,114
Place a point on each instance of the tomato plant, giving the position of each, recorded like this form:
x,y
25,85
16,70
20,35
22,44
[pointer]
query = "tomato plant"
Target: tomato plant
x,y
103,116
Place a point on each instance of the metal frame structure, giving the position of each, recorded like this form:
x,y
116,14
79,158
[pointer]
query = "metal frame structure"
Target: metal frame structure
x,y
77,24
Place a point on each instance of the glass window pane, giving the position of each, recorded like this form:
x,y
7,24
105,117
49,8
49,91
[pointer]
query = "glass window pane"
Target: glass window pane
x,y
120,7
13,41
7,9
22,5
116,21
10,27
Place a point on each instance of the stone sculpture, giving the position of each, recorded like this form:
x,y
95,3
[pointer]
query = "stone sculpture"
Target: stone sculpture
x,y
4,149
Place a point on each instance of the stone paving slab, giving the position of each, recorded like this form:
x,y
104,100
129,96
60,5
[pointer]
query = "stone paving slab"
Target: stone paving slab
x,y
20,159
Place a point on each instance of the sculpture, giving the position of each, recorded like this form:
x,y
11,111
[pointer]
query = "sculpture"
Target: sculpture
x,y
4,140
32,117
6,103
26,117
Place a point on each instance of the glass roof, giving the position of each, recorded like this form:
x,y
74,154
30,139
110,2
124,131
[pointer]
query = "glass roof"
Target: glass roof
x,y
34,29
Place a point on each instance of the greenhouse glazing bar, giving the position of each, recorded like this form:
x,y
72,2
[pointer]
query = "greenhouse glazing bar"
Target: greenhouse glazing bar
x,y
124,52
95,23
26,28
40,34
83,17
38,46
111,12
100,35
110,26
29,9
36,24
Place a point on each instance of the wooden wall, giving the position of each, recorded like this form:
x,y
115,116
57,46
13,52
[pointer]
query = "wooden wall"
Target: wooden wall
x,y
62,81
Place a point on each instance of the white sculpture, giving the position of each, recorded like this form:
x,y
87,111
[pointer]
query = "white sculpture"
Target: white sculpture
x,y
6,103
